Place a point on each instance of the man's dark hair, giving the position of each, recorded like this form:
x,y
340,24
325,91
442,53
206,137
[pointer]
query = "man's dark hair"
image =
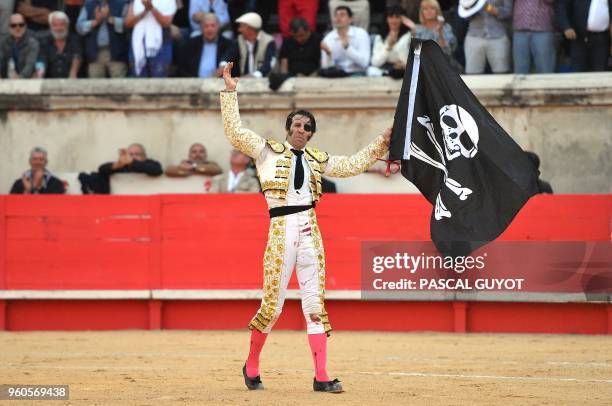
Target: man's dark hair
x,y
298,23
304,113
348,10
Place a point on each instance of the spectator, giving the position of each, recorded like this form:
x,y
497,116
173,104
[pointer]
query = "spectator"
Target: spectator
x,y
6,10
328,186
36,13
101,23
346,49
360,10
486,39
60,53
72,8
207,54
38,180
586,25
432,26
196,164
288,10
256,48
240,178
197,10
150,54
18,51
533,35
543,186
180,30
132,160
390,54
300,54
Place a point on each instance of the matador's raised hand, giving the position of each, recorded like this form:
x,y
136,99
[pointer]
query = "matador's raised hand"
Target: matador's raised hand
x,y
230,82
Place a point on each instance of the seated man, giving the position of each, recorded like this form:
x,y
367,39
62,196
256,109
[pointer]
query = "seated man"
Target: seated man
x,y
197,164
38,180
300,54
61,52
257,49
241,178
208,53
132,160
18,51
346,49
199,8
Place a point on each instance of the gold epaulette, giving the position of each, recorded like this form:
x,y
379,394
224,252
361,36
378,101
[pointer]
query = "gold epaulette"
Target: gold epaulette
x,y
276,146
320,156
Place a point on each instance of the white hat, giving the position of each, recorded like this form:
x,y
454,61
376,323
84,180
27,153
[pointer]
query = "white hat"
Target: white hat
x,y
253,20
468,8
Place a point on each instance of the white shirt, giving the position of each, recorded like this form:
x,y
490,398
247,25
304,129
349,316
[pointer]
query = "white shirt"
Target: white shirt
x,y
251,65
599,16
398,53
302,196
233,179
355,58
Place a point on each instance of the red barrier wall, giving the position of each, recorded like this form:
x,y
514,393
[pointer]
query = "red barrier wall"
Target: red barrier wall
x,y
217,242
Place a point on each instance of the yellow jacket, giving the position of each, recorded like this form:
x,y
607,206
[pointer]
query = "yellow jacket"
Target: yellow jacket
x,y
273,159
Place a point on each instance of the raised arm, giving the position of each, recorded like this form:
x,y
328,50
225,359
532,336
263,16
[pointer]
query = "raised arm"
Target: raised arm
x,y
244,140
340,166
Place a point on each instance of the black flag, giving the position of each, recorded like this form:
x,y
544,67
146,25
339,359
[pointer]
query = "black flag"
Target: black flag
x,y
466,165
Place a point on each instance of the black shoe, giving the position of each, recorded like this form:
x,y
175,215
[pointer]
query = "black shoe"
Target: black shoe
x,y
327,386
252,383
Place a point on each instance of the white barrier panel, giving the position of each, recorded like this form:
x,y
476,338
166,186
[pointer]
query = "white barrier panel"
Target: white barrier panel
x,y
71,182
139,184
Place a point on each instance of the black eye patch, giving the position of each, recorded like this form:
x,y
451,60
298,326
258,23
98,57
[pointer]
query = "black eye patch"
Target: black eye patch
x,y
308,127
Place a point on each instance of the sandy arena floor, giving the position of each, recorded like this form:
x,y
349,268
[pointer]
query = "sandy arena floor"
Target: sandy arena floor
x,y
204,367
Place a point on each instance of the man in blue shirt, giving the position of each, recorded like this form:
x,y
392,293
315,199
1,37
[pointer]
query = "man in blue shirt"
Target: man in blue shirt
x,y
100,23
209,52
198,8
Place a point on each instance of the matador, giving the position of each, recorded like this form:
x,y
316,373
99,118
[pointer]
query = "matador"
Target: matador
x,y
290,176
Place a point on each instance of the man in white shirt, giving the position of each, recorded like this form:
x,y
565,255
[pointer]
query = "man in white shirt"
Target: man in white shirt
x,y
346,48
586,25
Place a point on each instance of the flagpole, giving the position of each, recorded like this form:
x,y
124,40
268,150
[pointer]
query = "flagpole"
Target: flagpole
x,y
411,96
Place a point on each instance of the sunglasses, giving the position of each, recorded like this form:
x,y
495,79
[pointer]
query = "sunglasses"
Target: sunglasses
x,y
15,25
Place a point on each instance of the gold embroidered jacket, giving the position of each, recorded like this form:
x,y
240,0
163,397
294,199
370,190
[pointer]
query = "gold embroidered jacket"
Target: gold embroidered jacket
x,y
273,159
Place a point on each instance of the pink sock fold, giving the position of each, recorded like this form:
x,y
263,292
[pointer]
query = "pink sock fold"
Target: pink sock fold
x,y
258,340
318,347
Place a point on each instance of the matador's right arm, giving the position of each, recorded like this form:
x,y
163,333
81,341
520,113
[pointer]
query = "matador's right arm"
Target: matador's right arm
x,y
241,138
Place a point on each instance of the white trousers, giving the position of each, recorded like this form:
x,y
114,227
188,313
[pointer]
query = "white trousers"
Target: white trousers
x,y
294,241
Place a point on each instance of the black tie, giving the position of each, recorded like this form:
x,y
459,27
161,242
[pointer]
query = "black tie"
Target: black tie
x,y
298,177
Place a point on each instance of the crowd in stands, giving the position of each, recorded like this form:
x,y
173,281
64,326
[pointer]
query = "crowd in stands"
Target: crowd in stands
x,y
241,177
283,38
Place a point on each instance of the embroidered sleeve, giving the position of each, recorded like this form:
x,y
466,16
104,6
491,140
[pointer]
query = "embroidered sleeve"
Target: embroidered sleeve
x,y
241,138
342,166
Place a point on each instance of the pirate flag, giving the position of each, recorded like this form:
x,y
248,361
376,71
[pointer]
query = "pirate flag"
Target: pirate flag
x,y
466,165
